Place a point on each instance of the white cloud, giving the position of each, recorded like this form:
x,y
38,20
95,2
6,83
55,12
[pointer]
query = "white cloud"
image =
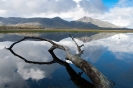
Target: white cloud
x,y
121,16
124,3
29,7
2,12
8,77
120,45
93,6
77,1
36,74
13,69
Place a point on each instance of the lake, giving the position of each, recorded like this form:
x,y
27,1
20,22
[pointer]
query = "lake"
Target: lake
x,y
110,53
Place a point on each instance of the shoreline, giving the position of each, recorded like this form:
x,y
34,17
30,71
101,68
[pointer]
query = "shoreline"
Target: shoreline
x,y
61,30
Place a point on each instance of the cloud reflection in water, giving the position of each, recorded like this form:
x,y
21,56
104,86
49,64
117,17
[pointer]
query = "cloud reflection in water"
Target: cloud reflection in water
x,y
13,69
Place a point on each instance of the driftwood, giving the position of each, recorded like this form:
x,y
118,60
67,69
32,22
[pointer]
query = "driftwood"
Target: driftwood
x,y
97,78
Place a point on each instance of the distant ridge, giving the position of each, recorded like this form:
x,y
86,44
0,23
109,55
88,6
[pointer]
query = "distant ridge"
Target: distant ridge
x,y
56,22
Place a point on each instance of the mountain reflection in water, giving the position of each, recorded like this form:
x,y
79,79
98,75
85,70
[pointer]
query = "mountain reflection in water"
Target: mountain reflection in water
x,y
112,56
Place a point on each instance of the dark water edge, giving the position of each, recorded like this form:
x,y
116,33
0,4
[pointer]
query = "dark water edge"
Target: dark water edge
x,y
53,36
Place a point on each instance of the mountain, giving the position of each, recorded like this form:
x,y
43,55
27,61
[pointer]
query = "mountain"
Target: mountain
x,y
97,22
56,22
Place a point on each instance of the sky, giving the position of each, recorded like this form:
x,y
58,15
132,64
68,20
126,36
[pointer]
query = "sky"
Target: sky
x,y
118,12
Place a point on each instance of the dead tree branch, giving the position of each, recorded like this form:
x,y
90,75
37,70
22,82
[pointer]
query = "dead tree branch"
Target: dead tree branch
x,y
98,79
76,78
78,47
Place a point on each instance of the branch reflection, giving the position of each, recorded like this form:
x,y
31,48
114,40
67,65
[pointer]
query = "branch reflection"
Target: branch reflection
x,y
75,77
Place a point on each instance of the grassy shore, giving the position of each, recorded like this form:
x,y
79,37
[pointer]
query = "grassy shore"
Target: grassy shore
x,y
61,30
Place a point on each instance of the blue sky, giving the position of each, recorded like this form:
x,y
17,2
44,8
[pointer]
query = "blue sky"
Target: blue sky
x,y
110,3
118,12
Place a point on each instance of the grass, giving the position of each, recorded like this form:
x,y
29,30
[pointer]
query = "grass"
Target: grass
x,y
61,30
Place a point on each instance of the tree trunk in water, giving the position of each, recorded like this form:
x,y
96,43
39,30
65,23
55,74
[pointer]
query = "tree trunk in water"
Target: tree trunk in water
x,y
76,78
98,79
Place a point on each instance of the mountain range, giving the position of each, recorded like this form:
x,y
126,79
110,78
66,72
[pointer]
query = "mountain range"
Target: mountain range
x,y
57,22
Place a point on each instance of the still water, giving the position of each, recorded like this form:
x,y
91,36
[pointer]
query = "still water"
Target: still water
x,y
110,53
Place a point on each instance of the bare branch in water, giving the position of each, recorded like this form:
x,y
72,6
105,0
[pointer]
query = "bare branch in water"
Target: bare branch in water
x,y
98,79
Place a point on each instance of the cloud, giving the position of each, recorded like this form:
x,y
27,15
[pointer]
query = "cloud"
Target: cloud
x,y
93,52
124,3
50,8
13,69
121,16
120,45
93,6
30,7
31,73
8,77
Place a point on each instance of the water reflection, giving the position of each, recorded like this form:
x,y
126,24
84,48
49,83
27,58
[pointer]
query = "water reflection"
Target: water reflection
x,y
57,36
112,56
